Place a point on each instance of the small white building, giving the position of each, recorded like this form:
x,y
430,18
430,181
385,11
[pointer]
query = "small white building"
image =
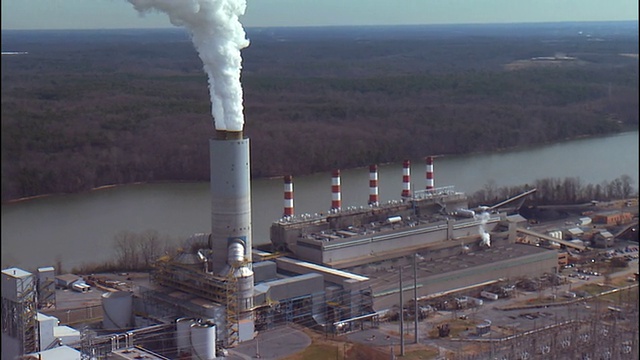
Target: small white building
x,y
52,335
585,221
574,233
72,282
57,353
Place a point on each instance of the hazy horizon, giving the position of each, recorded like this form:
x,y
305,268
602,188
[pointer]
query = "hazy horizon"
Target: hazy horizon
x,y
353,26
120,14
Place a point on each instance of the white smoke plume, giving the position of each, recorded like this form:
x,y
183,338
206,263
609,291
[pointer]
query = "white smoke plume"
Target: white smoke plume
x,y
218,37
486,237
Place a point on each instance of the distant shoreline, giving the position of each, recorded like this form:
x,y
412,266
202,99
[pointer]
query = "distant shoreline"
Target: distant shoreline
x,y
501,25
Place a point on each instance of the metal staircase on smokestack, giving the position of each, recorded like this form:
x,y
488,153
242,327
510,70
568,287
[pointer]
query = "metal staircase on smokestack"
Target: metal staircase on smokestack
x,y
233,315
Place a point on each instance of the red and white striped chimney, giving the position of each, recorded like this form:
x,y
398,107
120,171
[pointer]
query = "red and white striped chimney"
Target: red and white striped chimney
x,y
429,161
406,179
288,196
373,185
336,202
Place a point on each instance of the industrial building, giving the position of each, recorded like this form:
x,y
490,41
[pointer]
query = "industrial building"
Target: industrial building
x,y
613,218
332,270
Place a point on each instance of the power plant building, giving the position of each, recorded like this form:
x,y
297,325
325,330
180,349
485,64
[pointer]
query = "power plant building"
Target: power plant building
x,y
328,270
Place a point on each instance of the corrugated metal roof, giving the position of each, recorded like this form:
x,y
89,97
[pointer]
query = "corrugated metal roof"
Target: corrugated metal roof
x,y
136,353
58,353
68,278
606,234
293,279
323,269
516,218
576,231
16,272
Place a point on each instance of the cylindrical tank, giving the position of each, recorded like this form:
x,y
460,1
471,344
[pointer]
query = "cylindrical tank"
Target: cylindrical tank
x,y
244,276
203,341
394,219
117,310
183,335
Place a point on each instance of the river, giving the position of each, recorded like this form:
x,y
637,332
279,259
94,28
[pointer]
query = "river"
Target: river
x,y
78,229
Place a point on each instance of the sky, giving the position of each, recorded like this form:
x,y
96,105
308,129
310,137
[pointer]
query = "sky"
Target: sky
x,y
114,14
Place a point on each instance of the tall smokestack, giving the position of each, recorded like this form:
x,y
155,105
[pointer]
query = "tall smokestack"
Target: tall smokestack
x,y
406,179
218,37
429,162
336,202
230,199
288,196
373,185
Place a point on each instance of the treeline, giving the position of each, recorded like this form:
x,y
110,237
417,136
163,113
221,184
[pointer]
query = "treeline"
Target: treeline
x,y
555,191
133,252
138,252
82,114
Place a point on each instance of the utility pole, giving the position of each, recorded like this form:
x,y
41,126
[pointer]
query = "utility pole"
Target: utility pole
x,y
257,349
415,296
401,317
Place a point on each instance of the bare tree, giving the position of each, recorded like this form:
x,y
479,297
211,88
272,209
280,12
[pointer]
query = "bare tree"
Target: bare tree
x,y
626,187
150,246
127,245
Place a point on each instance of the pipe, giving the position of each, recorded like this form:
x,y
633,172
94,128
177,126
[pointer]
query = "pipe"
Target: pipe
x,y
373,185
204,260
288,196
235,254
406,179
336,202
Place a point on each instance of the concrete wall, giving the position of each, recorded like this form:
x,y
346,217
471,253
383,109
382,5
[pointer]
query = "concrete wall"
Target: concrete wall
x,y
264,271
293,287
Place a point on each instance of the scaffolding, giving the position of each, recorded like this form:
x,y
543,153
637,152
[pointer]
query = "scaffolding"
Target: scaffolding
x,y
192,280
46,288
232,320
19,313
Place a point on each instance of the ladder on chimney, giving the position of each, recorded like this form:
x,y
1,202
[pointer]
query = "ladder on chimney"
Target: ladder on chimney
x,y
232,322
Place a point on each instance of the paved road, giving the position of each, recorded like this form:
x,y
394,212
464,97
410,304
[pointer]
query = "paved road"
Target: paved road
x,y
272,344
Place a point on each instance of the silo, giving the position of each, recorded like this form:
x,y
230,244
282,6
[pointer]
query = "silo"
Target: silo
x,y
203,341
183,335
117,310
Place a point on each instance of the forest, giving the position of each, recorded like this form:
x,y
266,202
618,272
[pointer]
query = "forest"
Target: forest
x,y
84,109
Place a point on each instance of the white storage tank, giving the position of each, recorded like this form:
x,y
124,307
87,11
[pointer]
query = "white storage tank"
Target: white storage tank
x,y
203,341
183,335
117,310
394,219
